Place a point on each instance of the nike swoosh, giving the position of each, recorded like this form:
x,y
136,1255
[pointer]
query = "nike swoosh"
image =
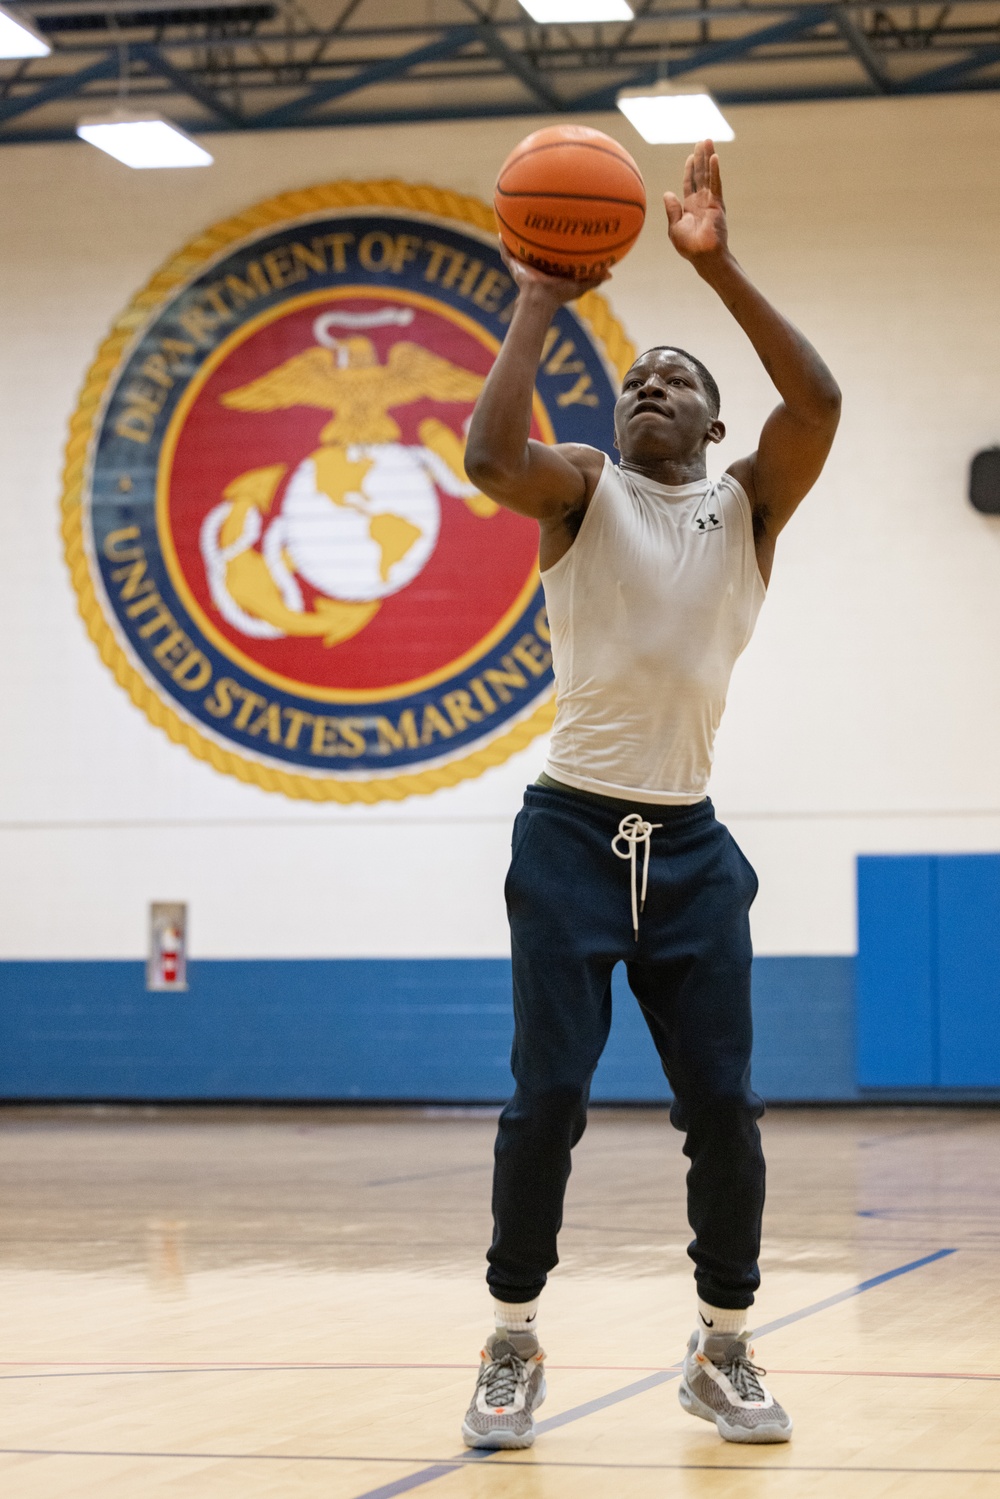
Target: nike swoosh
x,y
706,1321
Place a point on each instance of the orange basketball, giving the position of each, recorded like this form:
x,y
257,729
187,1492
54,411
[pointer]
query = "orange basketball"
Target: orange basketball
x,y
569,200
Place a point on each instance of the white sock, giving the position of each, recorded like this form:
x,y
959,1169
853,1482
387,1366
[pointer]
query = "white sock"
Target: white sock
x,y
516,1316
718,1319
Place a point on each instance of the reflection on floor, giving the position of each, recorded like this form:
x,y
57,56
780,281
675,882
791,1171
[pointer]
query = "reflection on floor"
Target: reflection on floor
x,y
289,1303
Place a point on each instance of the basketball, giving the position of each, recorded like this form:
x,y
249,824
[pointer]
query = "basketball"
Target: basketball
x,y
570,201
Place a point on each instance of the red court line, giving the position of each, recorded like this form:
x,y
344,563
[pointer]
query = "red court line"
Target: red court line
x,y
153,1364
108,1371
884,1374
193,1366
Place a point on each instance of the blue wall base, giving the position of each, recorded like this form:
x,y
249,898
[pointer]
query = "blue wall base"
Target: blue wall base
x,y
367,1029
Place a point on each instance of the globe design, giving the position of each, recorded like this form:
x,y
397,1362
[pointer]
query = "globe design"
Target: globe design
x,y
358,523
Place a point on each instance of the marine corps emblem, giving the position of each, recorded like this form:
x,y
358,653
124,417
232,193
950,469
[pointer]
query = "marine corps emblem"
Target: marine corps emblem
x,y
266,512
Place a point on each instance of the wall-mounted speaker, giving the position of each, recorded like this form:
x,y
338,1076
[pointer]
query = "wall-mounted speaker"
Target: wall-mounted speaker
x,y
984,481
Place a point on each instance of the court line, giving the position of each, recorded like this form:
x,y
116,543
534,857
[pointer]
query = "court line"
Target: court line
x,y
593,1153
858,1290
590,1407
125,1373
441,1468
130,1373
71,1368
579,1411
885,1374
450,1465
119,1373
419,1176
115,1373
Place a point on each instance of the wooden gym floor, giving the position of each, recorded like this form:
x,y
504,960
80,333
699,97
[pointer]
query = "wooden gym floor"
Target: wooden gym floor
x,y
289,1303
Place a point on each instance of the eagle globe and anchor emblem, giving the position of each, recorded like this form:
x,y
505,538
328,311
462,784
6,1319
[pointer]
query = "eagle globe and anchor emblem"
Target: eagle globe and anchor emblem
x,y
359,517
266,512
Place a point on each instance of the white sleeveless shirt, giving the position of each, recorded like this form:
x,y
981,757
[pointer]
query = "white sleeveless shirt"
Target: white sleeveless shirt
x,y
649,609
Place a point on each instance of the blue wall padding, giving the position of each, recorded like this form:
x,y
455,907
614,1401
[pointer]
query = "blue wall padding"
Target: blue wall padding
x,y
629,1068
374,1028
431,1029
895,974
968,970
804,1043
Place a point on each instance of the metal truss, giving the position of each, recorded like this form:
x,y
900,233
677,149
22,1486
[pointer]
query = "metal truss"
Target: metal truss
x,y
280,64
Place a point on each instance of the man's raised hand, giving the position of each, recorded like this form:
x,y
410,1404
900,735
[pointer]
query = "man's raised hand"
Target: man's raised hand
x,y
559,289
698,221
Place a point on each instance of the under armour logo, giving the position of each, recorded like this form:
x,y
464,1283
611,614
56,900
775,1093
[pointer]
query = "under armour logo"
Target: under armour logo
x,y
707,522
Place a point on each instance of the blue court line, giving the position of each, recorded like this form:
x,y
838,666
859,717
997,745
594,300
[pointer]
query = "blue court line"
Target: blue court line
x,y
640,1386
865,1285
415,1480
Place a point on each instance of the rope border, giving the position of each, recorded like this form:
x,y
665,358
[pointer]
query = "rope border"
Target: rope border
x,y
181,268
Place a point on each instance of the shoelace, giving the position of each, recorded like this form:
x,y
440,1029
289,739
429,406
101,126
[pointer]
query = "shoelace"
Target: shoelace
x,y
501,1378
633,830
742,1375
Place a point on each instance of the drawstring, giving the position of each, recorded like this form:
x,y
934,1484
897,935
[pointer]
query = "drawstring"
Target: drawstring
x,y
633,830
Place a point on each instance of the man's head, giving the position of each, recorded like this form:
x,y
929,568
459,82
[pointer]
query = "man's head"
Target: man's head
x,y
668,409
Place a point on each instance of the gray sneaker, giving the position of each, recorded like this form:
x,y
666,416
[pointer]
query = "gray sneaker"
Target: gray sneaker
x,y
510,1387
722,1385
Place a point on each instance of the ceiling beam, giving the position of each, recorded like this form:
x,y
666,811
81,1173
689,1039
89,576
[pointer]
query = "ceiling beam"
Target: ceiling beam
x,y
364,119
185,84
710,56
862,49
939,80
379,72
60,88
518,65
733,48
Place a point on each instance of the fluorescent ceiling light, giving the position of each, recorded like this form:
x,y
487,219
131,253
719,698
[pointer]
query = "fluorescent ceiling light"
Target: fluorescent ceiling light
x,y
143,140
19,38
553,12
665,115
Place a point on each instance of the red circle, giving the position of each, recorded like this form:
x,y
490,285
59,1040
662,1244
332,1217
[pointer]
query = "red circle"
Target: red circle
x,y
478,567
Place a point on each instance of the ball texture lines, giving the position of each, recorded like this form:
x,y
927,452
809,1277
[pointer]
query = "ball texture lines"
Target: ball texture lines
x,y
570,201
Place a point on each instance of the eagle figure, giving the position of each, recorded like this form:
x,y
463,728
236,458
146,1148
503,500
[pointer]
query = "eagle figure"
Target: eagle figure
x,y
350,382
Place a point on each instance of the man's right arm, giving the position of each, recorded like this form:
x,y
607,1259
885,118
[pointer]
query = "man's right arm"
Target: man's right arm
x,y
551,484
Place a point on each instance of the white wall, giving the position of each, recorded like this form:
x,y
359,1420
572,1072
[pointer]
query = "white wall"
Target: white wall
x,y
866,712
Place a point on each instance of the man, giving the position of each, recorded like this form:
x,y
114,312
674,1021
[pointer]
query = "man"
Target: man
x,y
654,576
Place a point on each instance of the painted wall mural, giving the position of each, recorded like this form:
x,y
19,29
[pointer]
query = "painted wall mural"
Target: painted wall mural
x,y
266,514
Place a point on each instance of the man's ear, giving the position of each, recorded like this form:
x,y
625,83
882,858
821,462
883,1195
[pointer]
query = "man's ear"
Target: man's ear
x,y
716,431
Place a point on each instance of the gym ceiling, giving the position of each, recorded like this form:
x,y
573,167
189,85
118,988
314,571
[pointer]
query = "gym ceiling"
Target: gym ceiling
x,y
277,64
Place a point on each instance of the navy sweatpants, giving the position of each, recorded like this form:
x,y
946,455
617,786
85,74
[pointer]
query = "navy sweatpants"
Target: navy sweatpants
x,y
569,905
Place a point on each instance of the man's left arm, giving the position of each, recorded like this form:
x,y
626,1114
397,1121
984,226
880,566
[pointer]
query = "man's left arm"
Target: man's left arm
x,y
798,434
